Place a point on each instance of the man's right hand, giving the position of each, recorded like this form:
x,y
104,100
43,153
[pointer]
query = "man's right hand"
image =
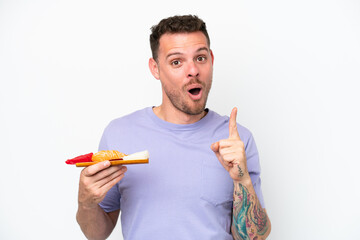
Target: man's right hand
x,y
96,180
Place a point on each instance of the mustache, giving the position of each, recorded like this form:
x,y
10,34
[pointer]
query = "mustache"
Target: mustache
x,y
194,81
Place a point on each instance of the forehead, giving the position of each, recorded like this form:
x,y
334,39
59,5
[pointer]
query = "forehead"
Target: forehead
x,y
181,42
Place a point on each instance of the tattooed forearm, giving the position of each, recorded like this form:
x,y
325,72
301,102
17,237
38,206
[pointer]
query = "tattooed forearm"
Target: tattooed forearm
x,y
250,220
241,173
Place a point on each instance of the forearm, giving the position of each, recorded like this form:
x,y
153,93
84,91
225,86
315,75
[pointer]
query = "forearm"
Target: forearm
x,y
250,220
94,222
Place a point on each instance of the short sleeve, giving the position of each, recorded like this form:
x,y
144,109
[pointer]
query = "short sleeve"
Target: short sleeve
x,y
253,164
111,201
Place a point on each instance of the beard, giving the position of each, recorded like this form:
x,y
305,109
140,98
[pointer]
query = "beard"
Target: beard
x,y
180,100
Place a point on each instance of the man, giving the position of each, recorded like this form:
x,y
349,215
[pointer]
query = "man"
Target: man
x,y
203,179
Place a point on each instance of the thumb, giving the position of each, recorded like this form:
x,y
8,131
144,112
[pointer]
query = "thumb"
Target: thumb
x,y
215,147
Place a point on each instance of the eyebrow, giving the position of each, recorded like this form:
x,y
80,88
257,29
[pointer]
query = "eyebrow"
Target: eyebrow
x,y
179,53
203,48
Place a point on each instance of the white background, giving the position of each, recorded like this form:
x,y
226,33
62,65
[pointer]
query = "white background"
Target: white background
x,y
291,67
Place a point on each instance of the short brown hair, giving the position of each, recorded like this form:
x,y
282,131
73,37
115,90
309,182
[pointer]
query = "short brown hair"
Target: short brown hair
x,y
175,24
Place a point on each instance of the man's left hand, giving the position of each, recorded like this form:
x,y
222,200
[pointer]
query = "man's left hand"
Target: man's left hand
x,y
231,152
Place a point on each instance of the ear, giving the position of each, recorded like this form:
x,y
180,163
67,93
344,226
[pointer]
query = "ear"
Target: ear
x,y
154,69
212,57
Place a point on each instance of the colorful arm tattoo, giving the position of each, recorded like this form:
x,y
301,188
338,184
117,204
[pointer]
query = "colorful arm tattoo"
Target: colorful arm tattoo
x,y
250,220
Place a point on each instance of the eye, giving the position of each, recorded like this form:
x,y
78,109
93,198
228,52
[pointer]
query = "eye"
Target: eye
x,y
175,63
201,58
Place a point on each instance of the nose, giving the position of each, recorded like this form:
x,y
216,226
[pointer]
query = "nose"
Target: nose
x,y
193,70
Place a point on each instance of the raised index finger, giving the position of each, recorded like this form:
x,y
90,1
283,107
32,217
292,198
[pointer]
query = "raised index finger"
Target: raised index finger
x,y
233,132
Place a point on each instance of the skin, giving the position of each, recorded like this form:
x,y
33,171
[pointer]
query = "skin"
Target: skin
x,y
95,182
184,61
250,220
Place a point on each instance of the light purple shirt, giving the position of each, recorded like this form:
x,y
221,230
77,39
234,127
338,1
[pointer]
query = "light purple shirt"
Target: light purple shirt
x,y
184,192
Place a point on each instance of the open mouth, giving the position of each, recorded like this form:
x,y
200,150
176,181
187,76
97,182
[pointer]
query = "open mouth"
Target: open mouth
x,y
195,91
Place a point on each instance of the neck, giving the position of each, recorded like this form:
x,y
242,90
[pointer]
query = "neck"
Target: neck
x,y
176,116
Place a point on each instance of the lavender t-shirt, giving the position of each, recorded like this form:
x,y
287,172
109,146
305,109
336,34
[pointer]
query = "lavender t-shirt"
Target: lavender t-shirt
x,y
184,192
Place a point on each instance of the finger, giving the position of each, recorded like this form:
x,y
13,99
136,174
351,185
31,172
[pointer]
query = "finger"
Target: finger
x,y
233,132
226,143
227,150
104,181
229,157
99,193
215,147
107,186
94,169
107,172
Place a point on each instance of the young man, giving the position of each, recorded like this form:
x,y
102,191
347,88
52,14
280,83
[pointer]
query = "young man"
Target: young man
x,y
203,179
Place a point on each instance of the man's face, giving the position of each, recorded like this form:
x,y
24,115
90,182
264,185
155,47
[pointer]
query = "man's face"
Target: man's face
x,y
185,68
